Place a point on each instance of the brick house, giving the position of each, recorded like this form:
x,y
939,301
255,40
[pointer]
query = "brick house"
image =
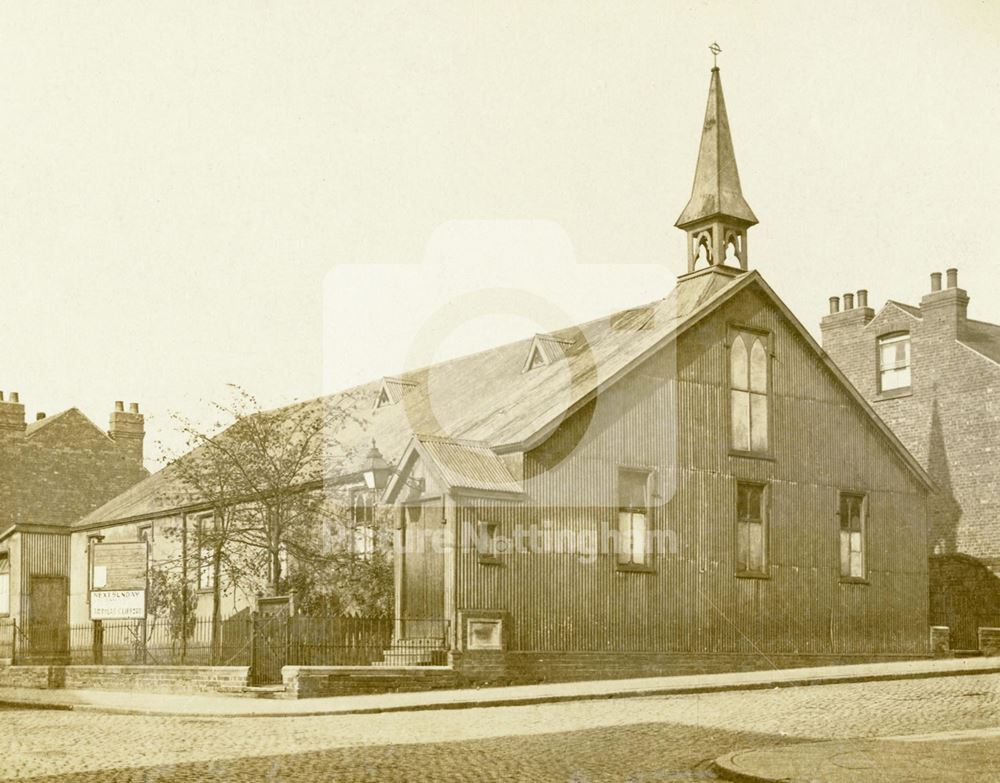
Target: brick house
x,y
52,472
933,375
762,515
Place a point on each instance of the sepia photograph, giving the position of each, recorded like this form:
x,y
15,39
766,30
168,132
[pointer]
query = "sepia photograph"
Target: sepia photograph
x,y
484,390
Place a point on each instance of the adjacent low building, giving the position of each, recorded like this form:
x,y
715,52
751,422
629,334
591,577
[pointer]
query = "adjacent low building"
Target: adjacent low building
x,y
52,472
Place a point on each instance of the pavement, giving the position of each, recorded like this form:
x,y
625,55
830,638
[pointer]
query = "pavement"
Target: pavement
x,y
601,740
222,705
943,756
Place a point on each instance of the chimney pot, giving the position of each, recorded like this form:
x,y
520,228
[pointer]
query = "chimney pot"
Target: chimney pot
x,y
133,407
848,301
863,297
40,415
935,282
834,305
952,277
15,397
119,405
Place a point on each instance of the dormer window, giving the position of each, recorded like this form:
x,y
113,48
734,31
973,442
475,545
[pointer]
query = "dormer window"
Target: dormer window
x,y
392,391
545,349
536,359
894,362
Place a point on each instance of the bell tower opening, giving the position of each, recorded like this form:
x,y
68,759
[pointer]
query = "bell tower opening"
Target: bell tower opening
x,y
717,216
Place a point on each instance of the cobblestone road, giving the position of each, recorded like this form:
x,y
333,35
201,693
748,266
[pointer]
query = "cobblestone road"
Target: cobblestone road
x,y
643,739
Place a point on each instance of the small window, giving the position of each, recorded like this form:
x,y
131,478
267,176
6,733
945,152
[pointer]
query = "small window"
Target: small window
x,y
205,530
751,529
894,362
749,382
4,584
486,542
633,516
853,512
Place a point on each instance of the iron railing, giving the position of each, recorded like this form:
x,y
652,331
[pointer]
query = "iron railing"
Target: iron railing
x,y
240,640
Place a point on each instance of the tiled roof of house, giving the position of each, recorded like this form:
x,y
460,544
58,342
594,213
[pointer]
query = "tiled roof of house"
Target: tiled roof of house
x,y
488,398
984,338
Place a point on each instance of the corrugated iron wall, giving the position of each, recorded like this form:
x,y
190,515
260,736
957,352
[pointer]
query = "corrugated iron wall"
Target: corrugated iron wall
x,y
677,425
42,554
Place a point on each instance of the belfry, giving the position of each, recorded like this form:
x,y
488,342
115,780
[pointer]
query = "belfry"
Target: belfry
x,y
717,216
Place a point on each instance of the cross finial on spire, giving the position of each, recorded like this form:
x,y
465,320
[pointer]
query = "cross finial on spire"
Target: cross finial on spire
x,y
716,50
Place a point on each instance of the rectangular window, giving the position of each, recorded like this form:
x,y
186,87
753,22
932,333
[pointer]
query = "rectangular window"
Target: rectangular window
x,y
486,542
749,388
894,362
4,584
205,536
362,525
633,516
751,529
853,512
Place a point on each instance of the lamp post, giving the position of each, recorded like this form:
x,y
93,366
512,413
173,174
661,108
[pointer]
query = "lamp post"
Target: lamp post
x,y
375,469
376,472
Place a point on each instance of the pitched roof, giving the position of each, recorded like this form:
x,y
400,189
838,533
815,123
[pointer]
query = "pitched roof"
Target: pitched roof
x,y
716,189
983,337
40,424
914,311
461,465
462,407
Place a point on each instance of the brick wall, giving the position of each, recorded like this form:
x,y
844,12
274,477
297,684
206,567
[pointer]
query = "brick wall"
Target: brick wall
x,y
527,667
161,679
303,682
950,419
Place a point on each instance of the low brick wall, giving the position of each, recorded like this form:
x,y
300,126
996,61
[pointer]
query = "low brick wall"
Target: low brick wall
x,y
989,641
160,679
24,676
532,667
302,682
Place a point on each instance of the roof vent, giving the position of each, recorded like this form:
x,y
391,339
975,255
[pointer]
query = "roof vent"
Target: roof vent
x,y
544,350
392,391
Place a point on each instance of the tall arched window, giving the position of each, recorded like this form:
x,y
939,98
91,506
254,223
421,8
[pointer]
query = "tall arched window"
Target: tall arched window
x,y
749,384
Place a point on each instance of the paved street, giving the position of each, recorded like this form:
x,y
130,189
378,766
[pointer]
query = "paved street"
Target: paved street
x,y
641,739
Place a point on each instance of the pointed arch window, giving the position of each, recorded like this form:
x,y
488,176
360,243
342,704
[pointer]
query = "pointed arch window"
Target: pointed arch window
x,y
749,392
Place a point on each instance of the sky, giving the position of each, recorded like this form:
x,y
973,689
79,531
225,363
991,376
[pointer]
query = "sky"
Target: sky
x,y
199,194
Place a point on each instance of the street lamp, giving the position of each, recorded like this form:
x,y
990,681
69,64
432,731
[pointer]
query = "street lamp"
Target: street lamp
x,y
377,471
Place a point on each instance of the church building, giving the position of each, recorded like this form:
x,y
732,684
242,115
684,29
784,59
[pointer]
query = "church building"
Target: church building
x,y
687,485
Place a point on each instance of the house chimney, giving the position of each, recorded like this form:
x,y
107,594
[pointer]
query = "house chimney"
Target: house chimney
x,y
128,430
12,423
863,298
945,310
848,301
834,305
40,415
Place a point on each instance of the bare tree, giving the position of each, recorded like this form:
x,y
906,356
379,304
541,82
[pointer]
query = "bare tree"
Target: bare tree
x,y
262,478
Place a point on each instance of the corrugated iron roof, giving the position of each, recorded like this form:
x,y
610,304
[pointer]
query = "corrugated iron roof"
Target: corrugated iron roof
x,y
485,398
465,464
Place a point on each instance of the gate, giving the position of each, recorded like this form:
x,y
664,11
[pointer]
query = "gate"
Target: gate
x,y
270,644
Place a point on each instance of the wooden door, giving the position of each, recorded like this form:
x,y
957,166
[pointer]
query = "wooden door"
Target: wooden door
x,y
47,619
423,571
